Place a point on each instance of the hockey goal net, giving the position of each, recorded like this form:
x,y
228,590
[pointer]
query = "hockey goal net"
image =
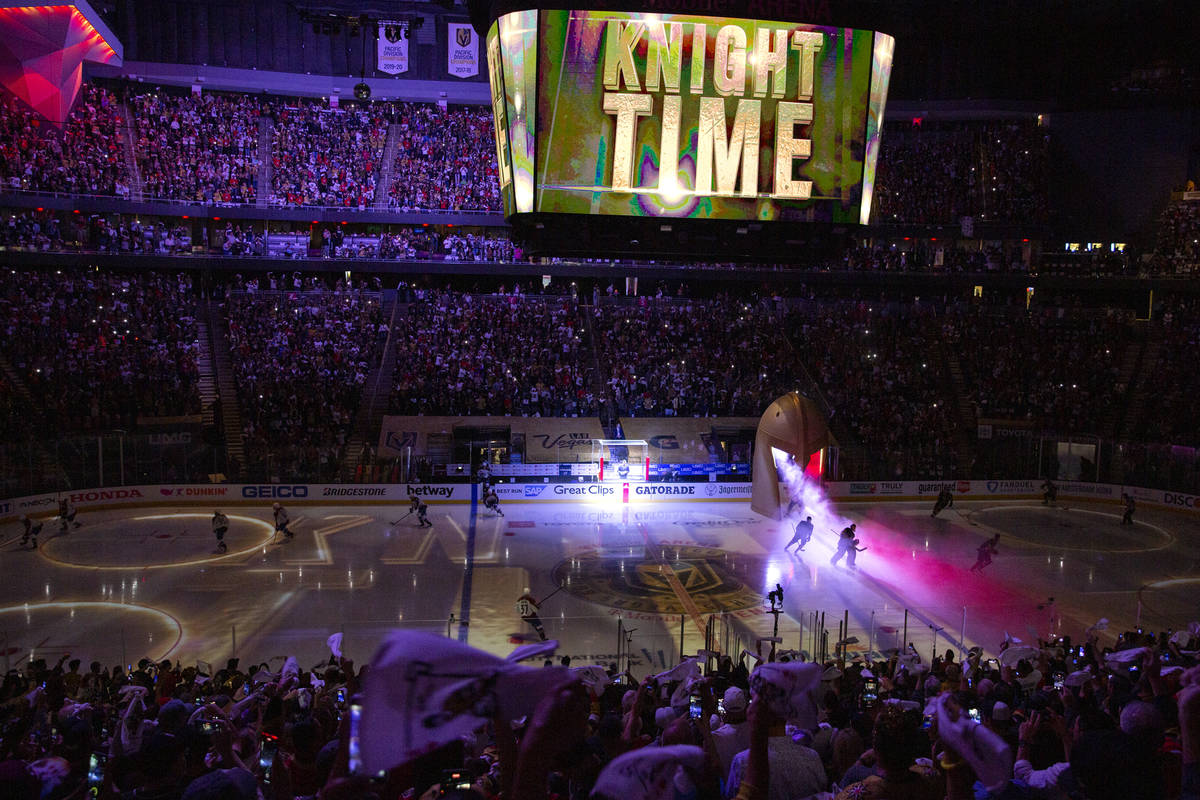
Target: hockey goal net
x,y
621,460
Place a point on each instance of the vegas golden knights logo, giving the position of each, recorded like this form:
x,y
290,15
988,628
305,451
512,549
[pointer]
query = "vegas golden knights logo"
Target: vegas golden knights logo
x,y
462,36
392,33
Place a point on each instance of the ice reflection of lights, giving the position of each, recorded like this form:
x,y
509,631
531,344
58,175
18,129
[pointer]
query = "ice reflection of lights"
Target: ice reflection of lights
x,y
92,605
268,532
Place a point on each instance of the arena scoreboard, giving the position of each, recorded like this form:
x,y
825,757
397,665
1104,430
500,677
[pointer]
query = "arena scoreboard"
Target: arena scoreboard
x,y
664,115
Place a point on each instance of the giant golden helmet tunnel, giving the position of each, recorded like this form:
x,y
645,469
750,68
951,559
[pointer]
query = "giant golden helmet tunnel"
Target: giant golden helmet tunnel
x,y
794,426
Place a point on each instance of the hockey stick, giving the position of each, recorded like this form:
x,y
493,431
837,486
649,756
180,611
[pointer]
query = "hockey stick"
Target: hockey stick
x,y
547,597
406,516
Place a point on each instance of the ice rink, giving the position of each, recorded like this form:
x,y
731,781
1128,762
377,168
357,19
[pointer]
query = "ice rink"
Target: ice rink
x,y
147,583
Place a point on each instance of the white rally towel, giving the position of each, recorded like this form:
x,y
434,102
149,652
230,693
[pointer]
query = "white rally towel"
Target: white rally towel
x,y
424,691
987,753
649,773
1077,678
335,644
1131,656
538,649
594,677
790,691
1012,655
688,668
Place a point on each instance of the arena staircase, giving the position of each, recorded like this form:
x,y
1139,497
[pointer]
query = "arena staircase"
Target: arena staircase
x,y
968,417
374,401
207,383
266,140
385,167
128,132
1129,371
1139,381
595,378
222,371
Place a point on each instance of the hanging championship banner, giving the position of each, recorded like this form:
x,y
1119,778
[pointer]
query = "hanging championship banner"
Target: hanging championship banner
x,y
462,50
391,54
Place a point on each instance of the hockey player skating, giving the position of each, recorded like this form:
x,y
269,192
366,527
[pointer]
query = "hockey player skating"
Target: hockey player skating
x,y
422,510
491,501
1130,507
944,500
852,554
281,522
66,515
985,553
32,529
220,524
1049,493
804,532
846,542
527,607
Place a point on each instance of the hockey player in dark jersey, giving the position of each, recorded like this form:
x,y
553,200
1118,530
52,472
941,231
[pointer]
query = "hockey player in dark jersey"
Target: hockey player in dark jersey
x,y
491,501
281,521
66,515
422,511
32,529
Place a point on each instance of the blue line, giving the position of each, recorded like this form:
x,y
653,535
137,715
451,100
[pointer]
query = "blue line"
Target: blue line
x,y
464,613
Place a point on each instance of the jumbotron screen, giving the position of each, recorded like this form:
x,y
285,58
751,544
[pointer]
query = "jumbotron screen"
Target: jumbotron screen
x,y
684,116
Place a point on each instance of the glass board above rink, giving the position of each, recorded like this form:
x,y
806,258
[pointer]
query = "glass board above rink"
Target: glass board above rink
x,y
685,116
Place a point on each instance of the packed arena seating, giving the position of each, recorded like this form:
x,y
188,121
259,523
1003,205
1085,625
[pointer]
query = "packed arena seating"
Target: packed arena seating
x,y
98,350
1172,419
1178,246
84,157
691,358
1120,717
445,160
883,373
937,173
199,148
462,354
325,156
301,359
1058,371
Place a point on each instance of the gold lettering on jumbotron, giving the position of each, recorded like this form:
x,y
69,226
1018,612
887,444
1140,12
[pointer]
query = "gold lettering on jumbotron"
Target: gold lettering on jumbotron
x,y
738,149
664,56
498,111
619,43
668,156
770,62
699,56
729,61
808,43
627,107
788,148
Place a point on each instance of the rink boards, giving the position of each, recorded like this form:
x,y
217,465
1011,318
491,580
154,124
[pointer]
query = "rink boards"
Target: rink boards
x,y
46,505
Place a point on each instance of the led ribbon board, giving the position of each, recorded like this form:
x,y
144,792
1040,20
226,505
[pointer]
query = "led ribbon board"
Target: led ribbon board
x,y
671,115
